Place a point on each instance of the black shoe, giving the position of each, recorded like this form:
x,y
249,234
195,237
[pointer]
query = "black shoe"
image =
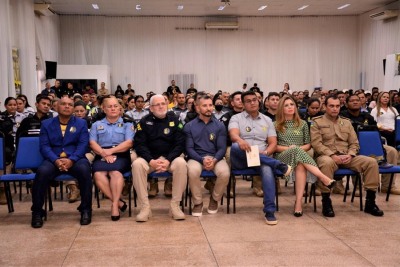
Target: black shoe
x,y
115,218
124,207
86,217
298,213
327,209
372,209
37,220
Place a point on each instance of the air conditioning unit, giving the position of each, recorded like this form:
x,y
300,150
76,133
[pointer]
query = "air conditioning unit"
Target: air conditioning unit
x,y
387,14
43,10
222,25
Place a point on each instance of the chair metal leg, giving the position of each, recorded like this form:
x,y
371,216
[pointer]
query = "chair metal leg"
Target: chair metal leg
x,y
358,177
228,196
276,193
306,193
7,190
312,192
234,194
50,201
346,188
389,187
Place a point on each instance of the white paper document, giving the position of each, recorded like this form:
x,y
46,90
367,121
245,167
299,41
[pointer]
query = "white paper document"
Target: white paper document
x,y
253,157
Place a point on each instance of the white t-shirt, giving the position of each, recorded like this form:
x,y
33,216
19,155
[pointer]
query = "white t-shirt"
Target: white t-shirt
x,y
386,118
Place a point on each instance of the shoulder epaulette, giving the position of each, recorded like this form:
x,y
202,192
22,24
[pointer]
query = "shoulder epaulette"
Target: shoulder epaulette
x,y
318,117
345,118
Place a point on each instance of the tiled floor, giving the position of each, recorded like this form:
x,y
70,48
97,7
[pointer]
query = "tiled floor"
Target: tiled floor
x,y
352,238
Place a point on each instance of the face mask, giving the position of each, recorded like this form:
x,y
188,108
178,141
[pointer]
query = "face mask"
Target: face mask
x,y
218,107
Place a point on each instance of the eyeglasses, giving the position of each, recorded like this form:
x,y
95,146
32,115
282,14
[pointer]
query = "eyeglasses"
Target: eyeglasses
x,y
159,105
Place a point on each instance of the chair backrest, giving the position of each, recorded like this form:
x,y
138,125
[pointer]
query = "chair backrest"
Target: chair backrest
x,y
2,150
371,144
28,154
397,130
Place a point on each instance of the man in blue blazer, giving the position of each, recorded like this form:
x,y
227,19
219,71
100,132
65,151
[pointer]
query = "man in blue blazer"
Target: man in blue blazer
x,y
63,144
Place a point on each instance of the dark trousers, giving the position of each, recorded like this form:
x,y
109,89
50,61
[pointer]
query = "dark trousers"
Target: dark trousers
x,y
48,171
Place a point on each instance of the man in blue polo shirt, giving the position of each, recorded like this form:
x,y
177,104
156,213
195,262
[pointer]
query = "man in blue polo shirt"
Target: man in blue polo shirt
x,y
206,147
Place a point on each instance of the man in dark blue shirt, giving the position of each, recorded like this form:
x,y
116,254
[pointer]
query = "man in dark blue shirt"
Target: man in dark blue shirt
x,y
206,147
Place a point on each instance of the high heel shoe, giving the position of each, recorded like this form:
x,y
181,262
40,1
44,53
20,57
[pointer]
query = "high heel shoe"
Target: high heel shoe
x,y
297,213
115,218
331,184
124,207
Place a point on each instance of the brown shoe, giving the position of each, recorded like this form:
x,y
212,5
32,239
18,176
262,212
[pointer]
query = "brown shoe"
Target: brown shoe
x,y
197,210
3,199
339,188
257,186
168,187
213,206
153,191
210,184
126,189
393,190
73,194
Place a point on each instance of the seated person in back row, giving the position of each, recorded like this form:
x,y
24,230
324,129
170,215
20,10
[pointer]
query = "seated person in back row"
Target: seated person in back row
x,y
63,144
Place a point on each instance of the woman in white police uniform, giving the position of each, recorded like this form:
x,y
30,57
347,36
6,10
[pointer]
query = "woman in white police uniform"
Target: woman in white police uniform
x,y
111,139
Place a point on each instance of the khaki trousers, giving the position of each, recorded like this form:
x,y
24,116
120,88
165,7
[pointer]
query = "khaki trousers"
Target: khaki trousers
x,y
140,169
366,166
221,170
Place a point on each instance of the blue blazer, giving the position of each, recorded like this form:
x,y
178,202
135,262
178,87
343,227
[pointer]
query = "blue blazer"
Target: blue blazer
x,y
74,143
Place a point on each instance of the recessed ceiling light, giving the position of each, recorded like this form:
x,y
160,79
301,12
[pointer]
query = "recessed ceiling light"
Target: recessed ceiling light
x,y
95,6
303,7
180,7
221,8
344,6
262,8
138,7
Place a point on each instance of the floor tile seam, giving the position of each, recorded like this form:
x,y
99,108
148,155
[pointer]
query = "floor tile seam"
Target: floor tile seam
x,y
343,242
70,246
208,242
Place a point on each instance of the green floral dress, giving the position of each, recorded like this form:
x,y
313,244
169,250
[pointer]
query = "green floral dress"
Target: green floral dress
x,y
293,156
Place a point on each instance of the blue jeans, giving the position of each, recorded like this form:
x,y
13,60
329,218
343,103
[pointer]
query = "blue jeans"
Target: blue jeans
x,y
239,161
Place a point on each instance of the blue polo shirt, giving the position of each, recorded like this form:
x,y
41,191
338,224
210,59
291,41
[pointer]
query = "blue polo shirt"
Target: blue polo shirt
x,y
108,134
205,139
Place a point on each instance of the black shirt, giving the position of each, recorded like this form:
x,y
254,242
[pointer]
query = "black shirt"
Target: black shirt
x,y
225,120
159,137
364,118
271,116
173,89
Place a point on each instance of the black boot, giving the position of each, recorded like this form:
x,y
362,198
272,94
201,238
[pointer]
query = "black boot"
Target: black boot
x,y
370,206
327,209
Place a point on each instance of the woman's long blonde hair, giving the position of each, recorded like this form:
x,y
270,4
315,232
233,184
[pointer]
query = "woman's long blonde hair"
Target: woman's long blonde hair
x,y
379,106
280,116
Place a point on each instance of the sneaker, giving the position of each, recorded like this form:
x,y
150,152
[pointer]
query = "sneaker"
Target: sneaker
x,y
175,211
74,193
144,214
168,188
197,210
258,192
270,218
213,206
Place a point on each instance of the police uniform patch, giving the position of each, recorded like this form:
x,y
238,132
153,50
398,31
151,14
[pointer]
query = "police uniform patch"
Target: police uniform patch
x,y
149,122
264,128
139,128
120,125
100,127
171,124
166,131
248,129
180,125
224,119
212,136
72,129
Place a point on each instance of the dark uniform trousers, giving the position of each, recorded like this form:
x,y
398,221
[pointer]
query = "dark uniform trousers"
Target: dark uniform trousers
x,y
366,166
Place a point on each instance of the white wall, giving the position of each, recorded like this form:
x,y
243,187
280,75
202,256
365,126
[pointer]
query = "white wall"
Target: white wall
x,y
304,51
101,73
377,39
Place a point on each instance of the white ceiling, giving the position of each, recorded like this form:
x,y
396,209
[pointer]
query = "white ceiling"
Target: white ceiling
x,y
210,7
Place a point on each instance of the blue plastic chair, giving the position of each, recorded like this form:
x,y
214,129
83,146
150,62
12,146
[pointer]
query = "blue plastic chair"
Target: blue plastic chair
x,y
371,146
28,157
397,132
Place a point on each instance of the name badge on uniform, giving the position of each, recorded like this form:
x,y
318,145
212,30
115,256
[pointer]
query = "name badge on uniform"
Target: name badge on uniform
x,y
120,125
341,123
72,129
248,129
100,127
366,122
264,128
139,128
149,122
171,124
212,136
166,131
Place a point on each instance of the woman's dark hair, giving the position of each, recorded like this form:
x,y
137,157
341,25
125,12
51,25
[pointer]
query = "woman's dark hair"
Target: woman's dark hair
x,y
80,103
8,99
216,96
312,100
25,99
130,98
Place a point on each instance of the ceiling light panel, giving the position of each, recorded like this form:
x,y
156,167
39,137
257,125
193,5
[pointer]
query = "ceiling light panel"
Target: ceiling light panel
x,y
95,6
344,6
303,7
221,8
138,7
262,8
180,7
